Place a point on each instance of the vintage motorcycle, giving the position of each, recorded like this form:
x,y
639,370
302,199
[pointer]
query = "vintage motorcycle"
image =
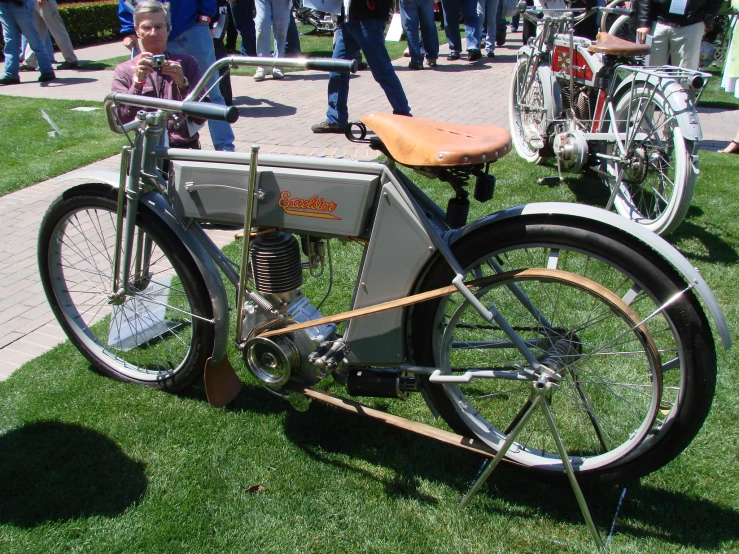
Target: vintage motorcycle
x,y
585,104
558,305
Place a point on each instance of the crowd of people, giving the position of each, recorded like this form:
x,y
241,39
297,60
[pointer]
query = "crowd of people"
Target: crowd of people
x,y
189,35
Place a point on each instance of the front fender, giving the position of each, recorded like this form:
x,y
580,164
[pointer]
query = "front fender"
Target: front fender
x,y
157,204
657,244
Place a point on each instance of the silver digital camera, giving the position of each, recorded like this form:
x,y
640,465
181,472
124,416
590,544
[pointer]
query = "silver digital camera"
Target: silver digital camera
x,y
157,60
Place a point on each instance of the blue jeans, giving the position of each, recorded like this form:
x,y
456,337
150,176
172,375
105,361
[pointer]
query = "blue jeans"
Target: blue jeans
x,y
488,12
17,21
272,14
47,43
413,13
197,42
243,14
451,24
367,35
292,47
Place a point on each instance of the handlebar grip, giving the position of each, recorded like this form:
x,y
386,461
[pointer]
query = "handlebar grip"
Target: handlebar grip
x,y
338,66
206,110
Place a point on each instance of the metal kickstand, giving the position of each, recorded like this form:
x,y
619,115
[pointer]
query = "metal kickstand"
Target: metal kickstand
x,y
538,400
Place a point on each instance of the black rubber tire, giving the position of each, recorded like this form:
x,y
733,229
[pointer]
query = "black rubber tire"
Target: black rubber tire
x,y
579,241
174,359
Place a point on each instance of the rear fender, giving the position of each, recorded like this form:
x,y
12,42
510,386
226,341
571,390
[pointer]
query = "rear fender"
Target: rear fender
x,y
677,98
619,225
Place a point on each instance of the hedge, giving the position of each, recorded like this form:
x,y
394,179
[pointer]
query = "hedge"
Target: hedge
x,y
89,22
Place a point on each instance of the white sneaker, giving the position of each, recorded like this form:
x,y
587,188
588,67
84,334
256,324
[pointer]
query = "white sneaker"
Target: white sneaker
x,y
277,73
259,74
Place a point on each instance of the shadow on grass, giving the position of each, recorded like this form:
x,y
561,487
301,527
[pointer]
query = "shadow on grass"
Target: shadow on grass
x,y
716,249
46,475
338,439
350,443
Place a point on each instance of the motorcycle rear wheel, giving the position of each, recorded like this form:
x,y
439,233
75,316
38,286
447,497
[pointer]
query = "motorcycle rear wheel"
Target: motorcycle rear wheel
x,y
631,271
657,183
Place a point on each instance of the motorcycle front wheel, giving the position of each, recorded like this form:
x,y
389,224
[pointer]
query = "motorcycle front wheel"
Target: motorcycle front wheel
x,y
527,111
158,334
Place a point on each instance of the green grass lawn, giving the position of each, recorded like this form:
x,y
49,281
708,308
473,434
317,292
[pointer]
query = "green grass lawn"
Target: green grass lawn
x,y
92,465
714,96
29,155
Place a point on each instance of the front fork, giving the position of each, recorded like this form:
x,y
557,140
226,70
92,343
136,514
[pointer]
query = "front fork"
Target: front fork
x,y
134,161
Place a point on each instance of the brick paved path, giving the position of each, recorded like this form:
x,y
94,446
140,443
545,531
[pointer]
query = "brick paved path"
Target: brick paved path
x,y
277,115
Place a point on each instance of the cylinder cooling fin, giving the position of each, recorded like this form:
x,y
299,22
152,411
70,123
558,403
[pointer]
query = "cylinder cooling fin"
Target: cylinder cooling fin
x,y
275,261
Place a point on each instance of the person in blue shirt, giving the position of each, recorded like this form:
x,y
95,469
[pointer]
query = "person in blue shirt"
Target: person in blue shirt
x,y
190,35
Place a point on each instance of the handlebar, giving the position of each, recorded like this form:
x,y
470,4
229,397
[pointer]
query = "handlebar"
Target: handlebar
x,y
204,110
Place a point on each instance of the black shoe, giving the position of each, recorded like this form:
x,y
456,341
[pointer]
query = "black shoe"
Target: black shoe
x,y
68,65
325,127
10,81
473,55
414,65
491,54
46,76
500,39
431,62
453,56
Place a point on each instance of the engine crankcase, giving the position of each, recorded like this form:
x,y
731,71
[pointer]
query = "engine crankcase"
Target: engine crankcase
x,y
571,149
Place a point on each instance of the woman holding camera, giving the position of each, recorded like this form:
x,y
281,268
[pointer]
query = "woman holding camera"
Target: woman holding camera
x,y
157,72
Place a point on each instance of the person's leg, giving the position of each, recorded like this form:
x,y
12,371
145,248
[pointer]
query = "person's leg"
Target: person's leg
x,y
292,46
515,20
370,33
685,46
487,10
733,147
451,26
345,48
471,27
280,22
409,17
243,14
29,58
231,32
25,19
428,28
219,48
482,22
49,14
660,53
197,42
500,24
263,24
12,38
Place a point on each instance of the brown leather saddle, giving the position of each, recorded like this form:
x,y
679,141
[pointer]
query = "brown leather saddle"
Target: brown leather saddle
x,y
416,142
614,46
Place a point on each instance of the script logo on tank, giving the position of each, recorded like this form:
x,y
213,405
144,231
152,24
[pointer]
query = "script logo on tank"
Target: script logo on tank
x,y
310,207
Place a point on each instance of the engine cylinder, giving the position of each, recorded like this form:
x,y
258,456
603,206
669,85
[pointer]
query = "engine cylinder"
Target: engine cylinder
x,y
276,263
